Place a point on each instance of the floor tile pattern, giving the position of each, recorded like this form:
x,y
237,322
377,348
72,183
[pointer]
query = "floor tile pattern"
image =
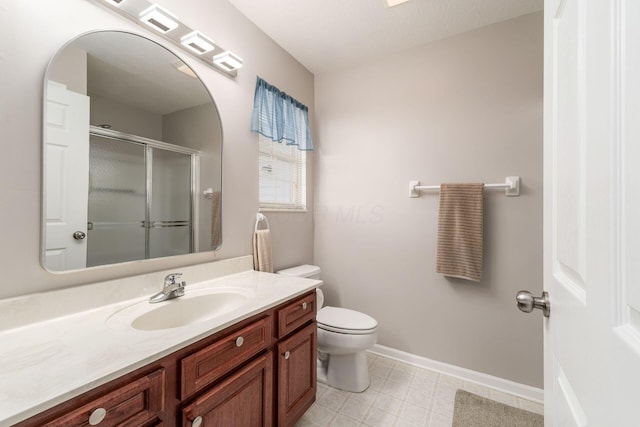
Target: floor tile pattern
x,y
400,395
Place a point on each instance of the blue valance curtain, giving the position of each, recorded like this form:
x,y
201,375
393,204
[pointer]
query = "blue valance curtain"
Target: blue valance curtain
x,y
280,117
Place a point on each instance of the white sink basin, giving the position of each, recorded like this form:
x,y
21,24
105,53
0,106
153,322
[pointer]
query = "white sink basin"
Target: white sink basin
x,y
194,307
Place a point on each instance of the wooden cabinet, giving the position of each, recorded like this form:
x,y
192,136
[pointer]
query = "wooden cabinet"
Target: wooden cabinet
x,y
242,399
296,314
137,403
296,374
211,363
259,372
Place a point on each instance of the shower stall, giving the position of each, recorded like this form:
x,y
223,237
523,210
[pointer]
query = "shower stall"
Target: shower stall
x,y
141,198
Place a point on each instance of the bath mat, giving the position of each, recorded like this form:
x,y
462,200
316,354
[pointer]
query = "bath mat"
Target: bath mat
x,y
471,410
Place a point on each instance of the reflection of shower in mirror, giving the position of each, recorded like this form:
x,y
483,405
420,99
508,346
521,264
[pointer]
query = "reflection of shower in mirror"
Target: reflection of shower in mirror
x,y
128,144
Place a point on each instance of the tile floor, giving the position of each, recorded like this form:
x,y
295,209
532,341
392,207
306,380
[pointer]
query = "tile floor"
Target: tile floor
x,y
399,395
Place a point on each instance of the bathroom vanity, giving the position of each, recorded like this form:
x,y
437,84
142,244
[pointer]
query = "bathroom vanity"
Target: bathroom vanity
x,y
254,365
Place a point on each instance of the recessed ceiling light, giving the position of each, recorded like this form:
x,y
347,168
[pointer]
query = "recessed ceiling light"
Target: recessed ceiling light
x,y
228,61
391,3
197,43
159,19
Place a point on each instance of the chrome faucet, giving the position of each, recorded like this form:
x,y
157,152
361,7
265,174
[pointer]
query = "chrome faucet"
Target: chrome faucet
x,y
173,288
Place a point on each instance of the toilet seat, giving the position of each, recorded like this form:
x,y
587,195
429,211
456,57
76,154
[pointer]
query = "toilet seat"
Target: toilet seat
x,y
345,321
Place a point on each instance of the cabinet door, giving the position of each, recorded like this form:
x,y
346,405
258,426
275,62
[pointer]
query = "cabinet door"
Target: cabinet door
x,y
243,399
296,375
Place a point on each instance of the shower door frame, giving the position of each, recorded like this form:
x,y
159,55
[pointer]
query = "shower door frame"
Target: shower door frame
x,y
150,144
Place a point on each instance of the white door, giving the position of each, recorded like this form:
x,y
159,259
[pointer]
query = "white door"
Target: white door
x,y
592,212
67,178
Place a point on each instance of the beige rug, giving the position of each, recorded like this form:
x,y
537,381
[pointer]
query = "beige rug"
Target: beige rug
x,y
471,410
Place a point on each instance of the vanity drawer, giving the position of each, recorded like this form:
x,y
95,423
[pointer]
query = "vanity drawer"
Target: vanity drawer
x,y
296,314
133,404
214,361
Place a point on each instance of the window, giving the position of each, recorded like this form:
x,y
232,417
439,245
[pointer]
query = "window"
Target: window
x,y
282,175
284,137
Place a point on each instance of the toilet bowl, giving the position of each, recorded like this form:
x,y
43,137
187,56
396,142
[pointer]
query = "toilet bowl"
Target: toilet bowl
x,y
343,337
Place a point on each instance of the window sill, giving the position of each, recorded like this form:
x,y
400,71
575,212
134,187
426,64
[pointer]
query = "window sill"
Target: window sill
x,y
283,210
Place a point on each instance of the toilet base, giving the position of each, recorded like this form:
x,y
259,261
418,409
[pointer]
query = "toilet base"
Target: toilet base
x,y
348,372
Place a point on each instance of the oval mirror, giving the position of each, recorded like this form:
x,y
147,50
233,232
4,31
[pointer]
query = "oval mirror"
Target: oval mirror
x,y
132,155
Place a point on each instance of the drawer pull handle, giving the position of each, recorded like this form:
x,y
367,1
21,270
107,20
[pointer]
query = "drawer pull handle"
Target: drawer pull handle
x,y
197,422
97,416
287,354
304,305
239,341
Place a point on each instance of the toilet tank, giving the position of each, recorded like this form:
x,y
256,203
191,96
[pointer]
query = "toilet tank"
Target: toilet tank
x,y
308,271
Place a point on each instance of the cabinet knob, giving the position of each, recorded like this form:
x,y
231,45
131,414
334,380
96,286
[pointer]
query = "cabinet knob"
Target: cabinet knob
x,y
239,341
287,354
97,416
304,305
196,422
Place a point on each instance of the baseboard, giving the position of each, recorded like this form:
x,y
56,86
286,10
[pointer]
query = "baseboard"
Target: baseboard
x,y
511,387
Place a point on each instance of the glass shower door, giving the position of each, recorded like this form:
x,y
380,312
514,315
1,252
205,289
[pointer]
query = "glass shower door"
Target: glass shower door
x,y
117,201
170,216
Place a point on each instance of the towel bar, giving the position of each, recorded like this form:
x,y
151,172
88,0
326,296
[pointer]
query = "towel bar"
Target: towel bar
x,y
511,187
208,193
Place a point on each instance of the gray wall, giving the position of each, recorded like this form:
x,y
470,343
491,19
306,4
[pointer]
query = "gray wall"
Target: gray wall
x,y
21,133
125,118
71,70
463,109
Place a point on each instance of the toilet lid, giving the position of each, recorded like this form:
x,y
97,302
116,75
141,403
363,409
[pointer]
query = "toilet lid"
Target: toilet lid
x,y
346,321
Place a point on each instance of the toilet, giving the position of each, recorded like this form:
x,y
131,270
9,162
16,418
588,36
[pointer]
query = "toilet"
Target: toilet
x,y
343,337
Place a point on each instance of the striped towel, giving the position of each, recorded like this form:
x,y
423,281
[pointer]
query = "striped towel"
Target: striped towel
x,y
216,223
262,259
459,247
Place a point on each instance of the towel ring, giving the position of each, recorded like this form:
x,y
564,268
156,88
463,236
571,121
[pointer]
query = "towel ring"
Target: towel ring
x,y
261,217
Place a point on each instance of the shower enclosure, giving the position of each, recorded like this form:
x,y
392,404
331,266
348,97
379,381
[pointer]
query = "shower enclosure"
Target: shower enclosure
x,y
141,196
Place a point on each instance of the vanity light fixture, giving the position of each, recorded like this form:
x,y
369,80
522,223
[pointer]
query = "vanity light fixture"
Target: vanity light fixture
x,y
168,26
159,19
228,61
197,42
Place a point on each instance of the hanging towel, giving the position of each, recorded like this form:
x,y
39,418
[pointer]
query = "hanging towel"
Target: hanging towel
x,y
459,249
262,251
215,219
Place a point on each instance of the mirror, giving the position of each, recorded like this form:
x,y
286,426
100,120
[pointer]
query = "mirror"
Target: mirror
x,y
132,155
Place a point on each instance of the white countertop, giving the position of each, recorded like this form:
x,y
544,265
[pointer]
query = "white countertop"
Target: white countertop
x,y
45,363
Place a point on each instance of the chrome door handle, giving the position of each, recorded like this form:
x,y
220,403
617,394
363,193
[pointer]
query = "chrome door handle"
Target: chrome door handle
x,y
527,302
79,235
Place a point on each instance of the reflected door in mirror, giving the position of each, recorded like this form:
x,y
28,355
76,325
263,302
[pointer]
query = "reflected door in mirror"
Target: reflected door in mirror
x,y
66,172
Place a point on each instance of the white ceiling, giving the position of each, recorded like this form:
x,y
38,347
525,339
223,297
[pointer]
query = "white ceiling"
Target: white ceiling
x,y
325,35
137,72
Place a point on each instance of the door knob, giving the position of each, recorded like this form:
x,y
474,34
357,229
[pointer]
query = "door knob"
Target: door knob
x,y
527,302
79,235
